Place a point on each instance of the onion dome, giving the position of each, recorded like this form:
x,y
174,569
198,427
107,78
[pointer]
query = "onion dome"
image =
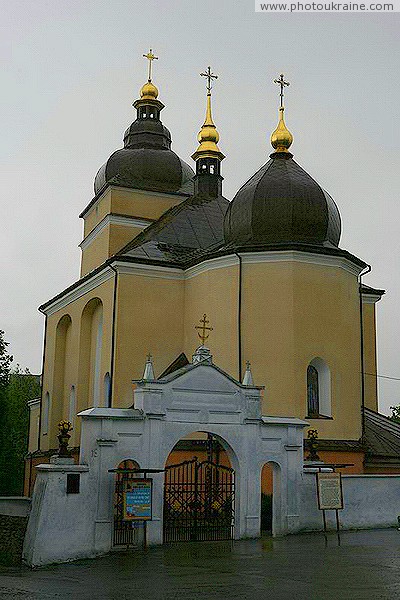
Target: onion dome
x,y
146,161
282,204
208,156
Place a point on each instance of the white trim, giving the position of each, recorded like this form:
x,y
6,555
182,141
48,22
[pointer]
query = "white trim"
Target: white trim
x,y
110,188
160,272
324,260
34,403
80,290
155,271
211,264
370,298
113,220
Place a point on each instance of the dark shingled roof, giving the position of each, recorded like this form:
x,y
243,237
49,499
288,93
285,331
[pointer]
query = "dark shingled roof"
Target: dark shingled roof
x,y
382,436
281,203
182,235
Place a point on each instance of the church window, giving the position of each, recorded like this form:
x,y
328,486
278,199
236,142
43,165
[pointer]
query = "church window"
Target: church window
x,y
318,389
312,391
212,169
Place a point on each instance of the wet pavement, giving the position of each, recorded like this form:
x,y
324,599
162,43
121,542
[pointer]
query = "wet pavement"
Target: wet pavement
x,y
365,566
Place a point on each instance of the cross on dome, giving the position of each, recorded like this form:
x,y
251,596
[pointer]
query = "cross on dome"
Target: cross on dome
x,y
150,57
281,81
210,76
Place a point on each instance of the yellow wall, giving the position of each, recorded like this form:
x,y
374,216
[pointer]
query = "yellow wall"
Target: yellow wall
x,y
370,381
215,293
149,319
292,312
70,365
34,416
124,202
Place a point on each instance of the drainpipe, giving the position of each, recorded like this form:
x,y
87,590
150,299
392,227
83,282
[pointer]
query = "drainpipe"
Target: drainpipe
x,y
111,392
240,318
368,269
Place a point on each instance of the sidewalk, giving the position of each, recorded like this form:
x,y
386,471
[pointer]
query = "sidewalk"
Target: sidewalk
x,y
366,566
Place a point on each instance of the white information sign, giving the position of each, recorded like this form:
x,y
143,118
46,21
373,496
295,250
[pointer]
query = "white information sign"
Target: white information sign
x,y
330,494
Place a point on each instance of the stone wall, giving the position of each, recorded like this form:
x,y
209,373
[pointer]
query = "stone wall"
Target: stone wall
x,y
370,501
12,532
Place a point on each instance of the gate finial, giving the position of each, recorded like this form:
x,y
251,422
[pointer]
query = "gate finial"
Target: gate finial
x,y
248,376
148,374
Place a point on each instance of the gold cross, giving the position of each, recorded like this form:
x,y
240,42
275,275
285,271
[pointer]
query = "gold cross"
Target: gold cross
x,y
210,76
150,57
203,336
281,81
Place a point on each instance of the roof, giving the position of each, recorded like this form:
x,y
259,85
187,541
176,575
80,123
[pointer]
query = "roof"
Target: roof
x,y
382,435
281,203
185,233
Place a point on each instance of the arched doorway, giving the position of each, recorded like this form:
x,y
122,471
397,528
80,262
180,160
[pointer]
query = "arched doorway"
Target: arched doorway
x,y
199,491
270,499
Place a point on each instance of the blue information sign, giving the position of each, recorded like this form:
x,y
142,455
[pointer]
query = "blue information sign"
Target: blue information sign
x,y
138,500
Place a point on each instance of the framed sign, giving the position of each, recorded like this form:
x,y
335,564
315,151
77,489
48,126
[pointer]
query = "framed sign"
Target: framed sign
x,y
329,490
138,500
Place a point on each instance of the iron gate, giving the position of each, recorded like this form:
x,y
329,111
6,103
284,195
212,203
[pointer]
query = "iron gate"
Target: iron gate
x,y
198,501
126,533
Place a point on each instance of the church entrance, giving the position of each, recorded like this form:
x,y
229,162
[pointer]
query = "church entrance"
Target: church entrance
x,y
199,494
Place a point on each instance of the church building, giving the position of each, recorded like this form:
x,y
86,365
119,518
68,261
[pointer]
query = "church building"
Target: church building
x,y
169,264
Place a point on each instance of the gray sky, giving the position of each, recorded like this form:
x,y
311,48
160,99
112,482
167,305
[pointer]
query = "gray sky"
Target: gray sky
x,y
71,69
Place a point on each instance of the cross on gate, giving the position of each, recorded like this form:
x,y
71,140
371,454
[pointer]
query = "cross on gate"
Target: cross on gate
x,y
203,336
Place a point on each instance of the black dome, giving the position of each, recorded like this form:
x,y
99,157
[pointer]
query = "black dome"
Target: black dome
x,y
281,204
146,161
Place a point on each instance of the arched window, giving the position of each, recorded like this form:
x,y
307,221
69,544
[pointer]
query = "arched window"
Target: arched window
x,y
91,340
72,405
312,391
45,414
318,389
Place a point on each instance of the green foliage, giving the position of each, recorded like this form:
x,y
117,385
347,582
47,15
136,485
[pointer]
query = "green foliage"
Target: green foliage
x,y
5,361
17,386
395,416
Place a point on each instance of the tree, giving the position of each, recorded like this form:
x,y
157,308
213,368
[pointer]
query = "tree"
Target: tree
x,y
5,364
17,386
395,416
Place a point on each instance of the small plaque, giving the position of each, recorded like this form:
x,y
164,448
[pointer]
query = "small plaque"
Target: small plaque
x,y
330,493
138,500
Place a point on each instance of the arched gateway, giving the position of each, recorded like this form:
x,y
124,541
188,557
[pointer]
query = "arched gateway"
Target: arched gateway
x,y
193,498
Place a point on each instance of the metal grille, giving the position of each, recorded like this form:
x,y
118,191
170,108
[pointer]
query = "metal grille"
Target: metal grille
x,y
198,502
126,533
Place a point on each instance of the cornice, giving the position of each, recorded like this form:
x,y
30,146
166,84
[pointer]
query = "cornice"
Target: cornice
x,y
147,270
325,260
370,298
176,273
77,291
109,187
113,219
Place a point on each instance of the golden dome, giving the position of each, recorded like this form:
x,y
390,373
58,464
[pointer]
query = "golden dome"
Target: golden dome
x,y
208,136
149,91
281,138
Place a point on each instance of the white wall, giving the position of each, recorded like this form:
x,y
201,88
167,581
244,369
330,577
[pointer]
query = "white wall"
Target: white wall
x,y
370,501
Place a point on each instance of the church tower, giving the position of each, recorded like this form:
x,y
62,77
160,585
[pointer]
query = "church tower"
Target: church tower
x,y
137,184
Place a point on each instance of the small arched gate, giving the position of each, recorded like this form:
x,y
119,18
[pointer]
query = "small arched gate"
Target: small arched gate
x,y
199,501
